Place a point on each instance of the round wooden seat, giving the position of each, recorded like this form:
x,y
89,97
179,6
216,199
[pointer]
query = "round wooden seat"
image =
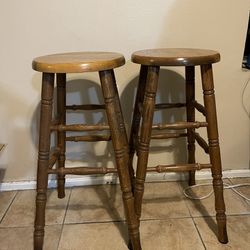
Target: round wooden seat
x,y
142,126
175,57
77,62
53,114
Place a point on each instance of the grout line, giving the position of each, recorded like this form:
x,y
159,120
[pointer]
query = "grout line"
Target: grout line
x,y
30,226
233,183
60,237
66,209
236,215
14,197
184,198
95,222
166,219
197,230
124,221
67,206
191,216
214,215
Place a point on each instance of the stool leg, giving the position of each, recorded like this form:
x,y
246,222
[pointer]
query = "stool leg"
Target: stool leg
x,y
125,138
133,139
43,158
118,134
214,149
61,112
190,98
146,127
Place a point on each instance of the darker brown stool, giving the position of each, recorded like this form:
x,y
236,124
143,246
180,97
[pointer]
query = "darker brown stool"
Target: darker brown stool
x,y
150,61
59,65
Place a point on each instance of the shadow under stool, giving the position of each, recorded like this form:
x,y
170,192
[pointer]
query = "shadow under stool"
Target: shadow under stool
x,y
142,123
53,161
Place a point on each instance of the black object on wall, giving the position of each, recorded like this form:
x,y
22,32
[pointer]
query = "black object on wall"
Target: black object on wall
x,y
246,57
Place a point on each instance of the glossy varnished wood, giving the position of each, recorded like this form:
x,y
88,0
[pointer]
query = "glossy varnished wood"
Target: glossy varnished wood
x,y
214,149
43,158
144,108
190,111
175,57
59,65
61,135
136,119
77,62
120,144
146,127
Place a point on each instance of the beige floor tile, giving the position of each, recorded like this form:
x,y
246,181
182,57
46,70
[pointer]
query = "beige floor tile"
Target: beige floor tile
x,y
234,203
95,204
163,200
5,200
97,236
22,238
21,213
243,190
157,235
238,232
177,234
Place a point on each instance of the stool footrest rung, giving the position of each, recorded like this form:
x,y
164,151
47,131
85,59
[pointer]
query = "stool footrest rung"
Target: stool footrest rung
x,y
169,105
80,127
178,168
201,142
53,157
82,170
180,125
199,108
168,135
160,106
89,138
85,107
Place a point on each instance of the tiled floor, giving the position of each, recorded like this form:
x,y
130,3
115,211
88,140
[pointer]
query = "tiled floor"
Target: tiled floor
x,y
92,218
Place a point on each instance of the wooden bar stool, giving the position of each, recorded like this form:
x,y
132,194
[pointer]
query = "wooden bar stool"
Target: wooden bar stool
x,y
150,61
60,64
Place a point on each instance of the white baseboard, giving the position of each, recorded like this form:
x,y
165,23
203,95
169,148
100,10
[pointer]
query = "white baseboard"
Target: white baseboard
x,y
112,179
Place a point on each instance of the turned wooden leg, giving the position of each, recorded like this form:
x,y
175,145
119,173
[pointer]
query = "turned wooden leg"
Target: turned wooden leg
x,y
43,158
61,144
190,98
133,139
214,149
117,128
125,138
146,127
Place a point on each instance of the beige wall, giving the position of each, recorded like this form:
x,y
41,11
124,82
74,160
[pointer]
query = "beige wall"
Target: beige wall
x,y
31,28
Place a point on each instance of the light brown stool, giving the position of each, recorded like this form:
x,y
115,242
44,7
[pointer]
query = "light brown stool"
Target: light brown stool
x,y
60,64
150,61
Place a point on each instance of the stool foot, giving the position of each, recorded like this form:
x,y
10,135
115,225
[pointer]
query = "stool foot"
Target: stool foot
x,y
191,179
135,243
222,231
38,240
130,247
60,187
40,219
